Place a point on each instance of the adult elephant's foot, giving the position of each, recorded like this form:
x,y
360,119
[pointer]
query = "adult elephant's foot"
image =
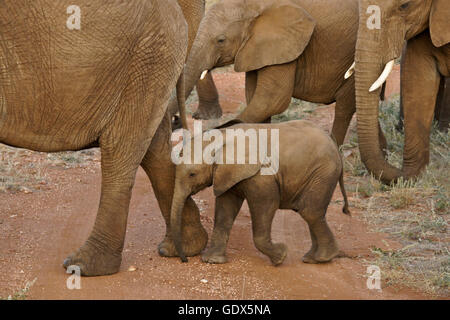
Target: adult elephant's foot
x,y
208,110
195,239
214,257
93,261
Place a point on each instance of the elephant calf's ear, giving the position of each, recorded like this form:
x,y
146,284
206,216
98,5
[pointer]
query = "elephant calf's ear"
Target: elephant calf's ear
x,y
279,35
440,22
228,175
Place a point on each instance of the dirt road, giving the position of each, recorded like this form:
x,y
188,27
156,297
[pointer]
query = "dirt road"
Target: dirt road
x,y
39,229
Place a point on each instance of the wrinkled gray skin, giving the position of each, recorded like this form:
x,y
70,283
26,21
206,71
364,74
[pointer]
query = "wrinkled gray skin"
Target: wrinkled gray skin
x,y
425,25
105,85
442,110
309,169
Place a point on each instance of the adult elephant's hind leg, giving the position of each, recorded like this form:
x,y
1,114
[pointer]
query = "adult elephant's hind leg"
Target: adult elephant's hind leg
x,y
121,153
158,165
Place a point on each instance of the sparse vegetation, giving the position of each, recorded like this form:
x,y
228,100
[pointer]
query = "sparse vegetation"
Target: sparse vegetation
x,y
26,171
416,213
22,293
297,110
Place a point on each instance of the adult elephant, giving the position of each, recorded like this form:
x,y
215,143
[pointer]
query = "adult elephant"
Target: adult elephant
x,y
208,97
288,48
425,24
106,84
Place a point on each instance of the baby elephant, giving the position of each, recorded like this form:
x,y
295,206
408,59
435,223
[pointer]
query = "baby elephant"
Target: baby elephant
x,y
301,174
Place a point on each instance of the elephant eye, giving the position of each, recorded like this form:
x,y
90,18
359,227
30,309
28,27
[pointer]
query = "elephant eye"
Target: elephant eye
x,y
192,174
405,6
221,39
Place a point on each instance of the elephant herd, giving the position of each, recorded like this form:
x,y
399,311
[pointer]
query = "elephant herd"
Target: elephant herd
x,y
110,84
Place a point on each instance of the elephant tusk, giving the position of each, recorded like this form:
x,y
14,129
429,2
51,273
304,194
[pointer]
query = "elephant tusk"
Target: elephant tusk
x,y
350,71
204,73
383,77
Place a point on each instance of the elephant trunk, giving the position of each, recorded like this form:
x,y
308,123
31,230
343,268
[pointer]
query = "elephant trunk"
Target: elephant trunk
x,y
369,66
179,199
199,60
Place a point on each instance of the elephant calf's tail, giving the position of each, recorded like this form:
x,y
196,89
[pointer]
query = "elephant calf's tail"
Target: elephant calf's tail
x,y
345,209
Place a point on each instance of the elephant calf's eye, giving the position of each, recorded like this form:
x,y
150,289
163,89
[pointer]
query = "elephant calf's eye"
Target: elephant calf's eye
x,y
192,174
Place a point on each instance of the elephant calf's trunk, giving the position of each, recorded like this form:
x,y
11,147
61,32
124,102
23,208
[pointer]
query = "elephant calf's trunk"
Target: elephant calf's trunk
x,y
176,226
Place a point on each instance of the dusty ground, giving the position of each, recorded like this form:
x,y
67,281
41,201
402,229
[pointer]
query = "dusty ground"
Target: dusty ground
x,y
51,215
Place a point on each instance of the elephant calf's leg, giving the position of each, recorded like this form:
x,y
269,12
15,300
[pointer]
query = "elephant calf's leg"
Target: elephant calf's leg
x,y
227,208
327,248
262,212
158,165
314,207
309,257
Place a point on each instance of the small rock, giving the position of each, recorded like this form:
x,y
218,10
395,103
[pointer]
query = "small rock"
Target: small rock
x,y
26,190
132,268
204,281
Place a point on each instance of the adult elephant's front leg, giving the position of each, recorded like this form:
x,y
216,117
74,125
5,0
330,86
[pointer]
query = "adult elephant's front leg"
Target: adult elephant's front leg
x,y
158,165
121,155
419,88
208,99
273,92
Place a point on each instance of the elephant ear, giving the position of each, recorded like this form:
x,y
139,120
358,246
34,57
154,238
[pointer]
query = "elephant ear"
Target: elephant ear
x,y
278,35
228,175
225,175
440,22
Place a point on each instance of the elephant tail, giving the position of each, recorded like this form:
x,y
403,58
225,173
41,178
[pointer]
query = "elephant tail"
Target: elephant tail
x,y
181,100
345,209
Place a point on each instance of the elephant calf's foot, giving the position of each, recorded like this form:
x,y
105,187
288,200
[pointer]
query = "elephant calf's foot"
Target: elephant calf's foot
x,y
194,241
214,257
324,254
208,111
93,261
309,256
278,253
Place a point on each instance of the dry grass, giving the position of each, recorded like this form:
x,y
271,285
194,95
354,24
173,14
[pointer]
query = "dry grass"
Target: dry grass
x,y
27,171
415,213
22,293
297,110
